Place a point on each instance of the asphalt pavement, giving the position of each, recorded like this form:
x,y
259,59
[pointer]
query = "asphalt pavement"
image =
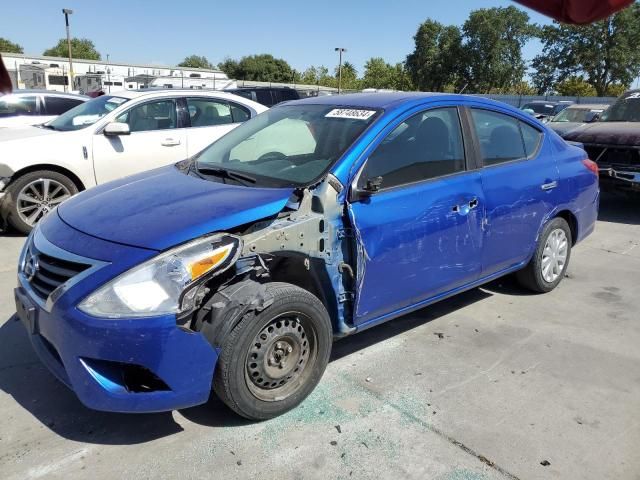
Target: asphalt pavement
x,y
495,383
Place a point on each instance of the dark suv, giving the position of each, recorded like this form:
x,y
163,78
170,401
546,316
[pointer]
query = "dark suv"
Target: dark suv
x,y
268,96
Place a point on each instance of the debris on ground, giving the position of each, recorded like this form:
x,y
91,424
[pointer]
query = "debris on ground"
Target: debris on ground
x,y
440,335
338,429
545,463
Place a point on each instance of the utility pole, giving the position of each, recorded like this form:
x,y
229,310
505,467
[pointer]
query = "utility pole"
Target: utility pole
x,y
108,74
66,13
340,50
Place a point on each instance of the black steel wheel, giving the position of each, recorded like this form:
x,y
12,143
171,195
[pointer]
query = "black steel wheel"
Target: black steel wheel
x,y
273,359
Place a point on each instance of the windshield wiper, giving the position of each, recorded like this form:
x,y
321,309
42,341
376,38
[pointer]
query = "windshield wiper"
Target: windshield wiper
x,y
223,172
50,127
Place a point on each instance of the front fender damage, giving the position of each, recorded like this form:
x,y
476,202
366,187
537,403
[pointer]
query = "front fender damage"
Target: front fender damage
x,y
307,244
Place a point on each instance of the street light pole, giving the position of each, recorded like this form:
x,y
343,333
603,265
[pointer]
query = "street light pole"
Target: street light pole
x,y
108,74
66,13
340,50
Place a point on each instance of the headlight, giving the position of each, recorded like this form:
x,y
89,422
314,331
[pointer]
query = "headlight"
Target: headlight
x,y
165,284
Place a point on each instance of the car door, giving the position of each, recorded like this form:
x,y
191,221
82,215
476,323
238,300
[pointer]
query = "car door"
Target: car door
x,y
156,139
19,110
210,119
420,234
519,179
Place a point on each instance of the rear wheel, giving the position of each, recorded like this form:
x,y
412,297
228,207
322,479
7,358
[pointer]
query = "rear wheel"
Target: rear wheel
x,y
551,258
273,359
33,195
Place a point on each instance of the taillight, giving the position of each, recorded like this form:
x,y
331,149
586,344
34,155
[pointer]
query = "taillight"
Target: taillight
x,y
591,165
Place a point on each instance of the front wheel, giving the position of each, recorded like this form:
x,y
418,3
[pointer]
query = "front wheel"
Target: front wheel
x,y
551,258
33,195
273,359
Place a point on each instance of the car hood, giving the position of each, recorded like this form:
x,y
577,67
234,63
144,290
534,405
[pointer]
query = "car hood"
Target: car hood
x,y
562,128
607,133
165,207
17,133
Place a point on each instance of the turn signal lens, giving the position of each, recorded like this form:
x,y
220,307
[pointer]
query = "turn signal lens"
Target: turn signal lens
x,y
204,265
591,165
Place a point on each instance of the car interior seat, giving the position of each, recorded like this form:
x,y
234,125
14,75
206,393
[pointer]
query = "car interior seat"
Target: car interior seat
x,y
505,142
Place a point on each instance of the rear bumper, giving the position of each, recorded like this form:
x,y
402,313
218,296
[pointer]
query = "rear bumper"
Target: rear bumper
x,y
623,180
126,365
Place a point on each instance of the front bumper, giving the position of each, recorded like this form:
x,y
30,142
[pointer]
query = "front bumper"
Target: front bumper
x,y
124,365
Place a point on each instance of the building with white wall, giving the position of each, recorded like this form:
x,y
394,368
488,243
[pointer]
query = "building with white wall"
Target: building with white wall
x,y
37,71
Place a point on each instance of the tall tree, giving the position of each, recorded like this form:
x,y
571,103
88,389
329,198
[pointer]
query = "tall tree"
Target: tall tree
x,y
261,68
7,46
229,66
492,51
604,53
196,61
434,62
575,87
80,48
380,74
349,76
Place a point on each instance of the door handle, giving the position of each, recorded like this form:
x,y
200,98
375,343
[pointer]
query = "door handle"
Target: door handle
x,y
170,142
473,203
465,207
549,185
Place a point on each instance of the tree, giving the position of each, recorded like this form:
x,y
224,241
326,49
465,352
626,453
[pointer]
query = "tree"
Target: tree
x,y
434,62
603,53
230,67
261,68
196,61
380,74
492,49
80,48
7,46
349,76
575,87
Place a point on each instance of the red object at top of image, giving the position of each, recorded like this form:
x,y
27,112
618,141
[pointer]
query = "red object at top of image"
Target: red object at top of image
x,y
576,11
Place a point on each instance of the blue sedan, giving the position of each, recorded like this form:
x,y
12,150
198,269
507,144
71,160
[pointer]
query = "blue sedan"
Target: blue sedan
x,y
235,269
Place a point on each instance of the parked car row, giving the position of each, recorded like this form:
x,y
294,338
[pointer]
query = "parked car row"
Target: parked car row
x,y
235,268
106,138
30,107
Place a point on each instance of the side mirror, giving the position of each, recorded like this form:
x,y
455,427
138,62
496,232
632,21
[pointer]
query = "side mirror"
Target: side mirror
x,y
373,185
115,129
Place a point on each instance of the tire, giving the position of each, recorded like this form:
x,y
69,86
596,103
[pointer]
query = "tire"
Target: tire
x,y
18,211
297,323
534,276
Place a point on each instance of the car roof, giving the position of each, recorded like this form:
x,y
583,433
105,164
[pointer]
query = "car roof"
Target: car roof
x,y
391,100
48,92
168,92
585,106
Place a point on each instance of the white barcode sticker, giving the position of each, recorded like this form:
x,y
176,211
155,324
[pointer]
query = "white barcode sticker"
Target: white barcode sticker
x,y
351,113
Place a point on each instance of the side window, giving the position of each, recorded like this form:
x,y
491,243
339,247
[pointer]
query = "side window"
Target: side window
x,y
427,145
59,105
264,97
14,106
160,115
206,112
499,136
239,113
531,137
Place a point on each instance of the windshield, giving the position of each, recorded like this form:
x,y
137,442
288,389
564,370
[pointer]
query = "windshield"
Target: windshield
x,y
626,109
86,113
540,108
577,115
291,145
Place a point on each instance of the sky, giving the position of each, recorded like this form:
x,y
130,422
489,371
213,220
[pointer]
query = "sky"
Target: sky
x,y
303,33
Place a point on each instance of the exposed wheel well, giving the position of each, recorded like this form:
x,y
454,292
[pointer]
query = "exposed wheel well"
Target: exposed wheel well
x,y
573,223
53,168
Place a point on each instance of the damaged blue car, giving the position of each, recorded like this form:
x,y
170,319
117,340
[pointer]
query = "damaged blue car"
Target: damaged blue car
x,y
235,270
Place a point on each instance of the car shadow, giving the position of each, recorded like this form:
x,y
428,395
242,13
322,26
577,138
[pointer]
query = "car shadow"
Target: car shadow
x,y
33,387
619,208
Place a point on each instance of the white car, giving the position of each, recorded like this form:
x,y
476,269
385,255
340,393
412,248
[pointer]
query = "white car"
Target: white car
x,y
30,107
107,138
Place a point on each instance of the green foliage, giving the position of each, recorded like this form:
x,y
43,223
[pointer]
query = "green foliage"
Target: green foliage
x,y
603,53
196,61
7,46
575,86
492,51
350,79
260,68
435,60
615,90
380,74
80,48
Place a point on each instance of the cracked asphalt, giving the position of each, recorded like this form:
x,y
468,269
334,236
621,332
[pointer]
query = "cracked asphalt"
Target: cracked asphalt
x,y
492,384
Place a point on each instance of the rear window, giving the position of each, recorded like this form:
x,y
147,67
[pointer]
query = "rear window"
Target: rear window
x,y
59,105
12,106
